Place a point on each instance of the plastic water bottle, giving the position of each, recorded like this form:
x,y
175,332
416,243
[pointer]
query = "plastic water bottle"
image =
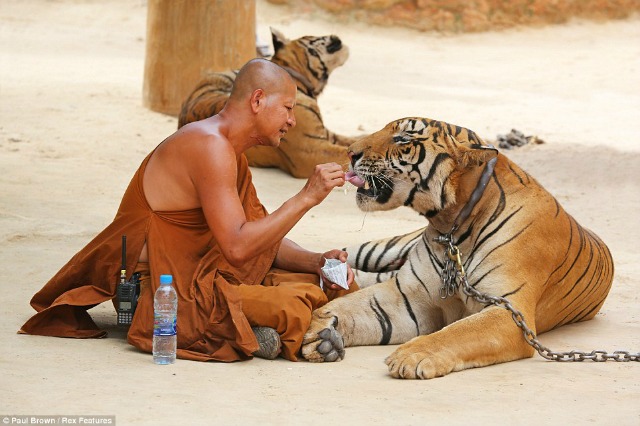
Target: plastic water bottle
x,y
165,314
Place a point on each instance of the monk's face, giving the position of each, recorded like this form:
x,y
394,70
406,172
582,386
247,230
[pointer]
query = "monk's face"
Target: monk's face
x,y
277,117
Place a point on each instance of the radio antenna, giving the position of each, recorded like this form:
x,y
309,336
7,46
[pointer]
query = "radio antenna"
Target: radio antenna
x,y
123,268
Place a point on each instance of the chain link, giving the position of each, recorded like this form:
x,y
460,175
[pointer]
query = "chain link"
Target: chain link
x,y
453,274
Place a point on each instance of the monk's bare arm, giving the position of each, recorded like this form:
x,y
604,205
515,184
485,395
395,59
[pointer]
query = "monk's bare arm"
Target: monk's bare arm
x,y
214,176
294,258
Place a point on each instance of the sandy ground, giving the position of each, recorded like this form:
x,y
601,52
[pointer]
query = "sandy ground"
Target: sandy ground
x,y
73,130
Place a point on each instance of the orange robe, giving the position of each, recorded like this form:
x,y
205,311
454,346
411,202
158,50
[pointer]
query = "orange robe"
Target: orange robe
x,y
217,303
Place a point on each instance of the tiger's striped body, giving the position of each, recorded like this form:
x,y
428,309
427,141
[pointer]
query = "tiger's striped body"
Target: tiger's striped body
x,y
517,242
309,60
377,261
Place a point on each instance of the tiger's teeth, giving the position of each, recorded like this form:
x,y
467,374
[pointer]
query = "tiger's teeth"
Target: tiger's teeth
x,y
366,184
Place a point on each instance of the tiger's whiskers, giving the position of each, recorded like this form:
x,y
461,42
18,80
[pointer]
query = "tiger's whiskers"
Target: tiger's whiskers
x,y
363,219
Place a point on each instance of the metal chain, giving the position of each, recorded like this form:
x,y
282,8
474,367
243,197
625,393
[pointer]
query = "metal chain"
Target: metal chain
x,y
453,274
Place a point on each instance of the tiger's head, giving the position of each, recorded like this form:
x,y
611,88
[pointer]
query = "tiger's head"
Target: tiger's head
x,y
310,59
415,162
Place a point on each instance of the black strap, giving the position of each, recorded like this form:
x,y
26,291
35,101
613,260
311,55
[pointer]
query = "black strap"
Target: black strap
x,y
475,195
301,78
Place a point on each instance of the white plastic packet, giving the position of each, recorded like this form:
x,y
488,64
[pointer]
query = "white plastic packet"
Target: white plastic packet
x,y
335,271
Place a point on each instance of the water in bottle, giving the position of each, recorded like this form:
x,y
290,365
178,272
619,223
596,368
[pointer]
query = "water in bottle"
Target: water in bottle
x,y
165,311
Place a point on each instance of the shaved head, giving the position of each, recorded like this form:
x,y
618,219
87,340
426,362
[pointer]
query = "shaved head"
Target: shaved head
x,y
260,74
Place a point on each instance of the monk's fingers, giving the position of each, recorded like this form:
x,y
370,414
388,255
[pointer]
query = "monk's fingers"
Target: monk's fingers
x,y
350,276
331,174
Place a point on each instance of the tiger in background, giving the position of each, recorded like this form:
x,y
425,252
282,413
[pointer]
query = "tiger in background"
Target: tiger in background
x,y
514,241
309,60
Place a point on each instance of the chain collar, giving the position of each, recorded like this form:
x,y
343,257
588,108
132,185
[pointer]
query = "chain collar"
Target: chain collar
x,y
453,271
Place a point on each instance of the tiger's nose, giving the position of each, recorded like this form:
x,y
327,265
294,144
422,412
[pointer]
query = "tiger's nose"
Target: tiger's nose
x,y
353,157
334,45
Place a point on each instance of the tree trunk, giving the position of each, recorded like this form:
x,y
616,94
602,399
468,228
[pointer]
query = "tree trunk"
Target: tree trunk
x,y
186,39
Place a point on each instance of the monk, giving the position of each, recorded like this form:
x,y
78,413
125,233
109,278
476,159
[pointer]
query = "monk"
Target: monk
x,y
192,211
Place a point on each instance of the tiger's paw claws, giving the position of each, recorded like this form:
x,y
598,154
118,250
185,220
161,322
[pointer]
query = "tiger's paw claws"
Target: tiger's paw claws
x,y
408,363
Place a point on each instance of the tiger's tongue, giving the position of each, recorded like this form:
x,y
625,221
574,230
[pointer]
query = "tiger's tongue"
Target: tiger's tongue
x,y
354,179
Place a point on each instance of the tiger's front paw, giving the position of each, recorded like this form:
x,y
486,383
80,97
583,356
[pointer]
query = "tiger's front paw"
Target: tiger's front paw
x,y
411,361
322,342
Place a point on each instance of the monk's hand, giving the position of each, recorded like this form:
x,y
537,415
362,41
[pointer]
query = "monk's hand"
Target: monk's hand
x,y
325,177
341,255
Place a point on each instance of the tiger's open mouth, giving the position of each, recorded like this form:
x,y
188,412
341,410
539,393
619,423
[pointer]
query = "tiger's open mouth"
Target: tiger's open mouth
x,y
354,179
371,186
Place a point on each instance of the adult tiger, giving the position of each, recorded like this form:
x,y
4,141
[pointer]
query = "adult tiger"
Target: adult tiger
x,y
309,60
514,239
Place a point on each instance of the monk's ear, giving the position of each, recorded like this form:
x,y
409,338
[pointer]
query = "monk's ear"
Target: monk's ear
x,y
278,39
258,100
475,155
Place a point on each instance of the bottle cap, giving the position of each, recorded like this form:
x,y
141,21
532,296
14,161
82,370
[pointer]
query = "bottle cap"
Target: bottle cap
x,y
166,279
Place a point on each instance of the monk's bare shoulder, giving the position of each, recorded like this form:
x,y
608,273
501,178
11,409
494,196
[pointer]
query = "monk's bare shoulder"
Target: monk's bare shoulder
x,y
205,134
182,161
207,146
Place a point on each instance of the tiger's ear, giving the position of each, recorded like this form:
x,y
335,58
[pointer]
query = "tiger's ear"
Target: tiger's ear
x,y
278,39
475,155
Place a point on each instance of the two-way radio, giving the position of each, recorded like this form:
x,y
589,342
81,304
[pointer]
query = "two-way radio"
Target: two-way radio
x,y
127,291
